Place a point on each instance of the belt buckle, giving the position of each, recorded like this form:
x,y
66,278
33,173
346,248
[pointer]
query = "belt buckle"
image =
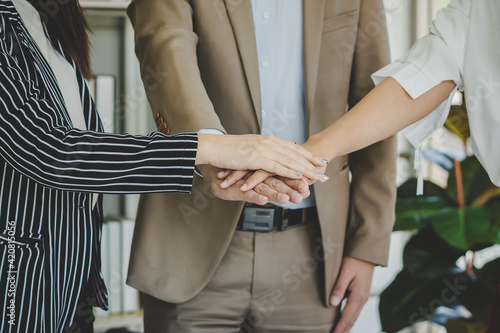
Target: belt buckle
x,y
261,218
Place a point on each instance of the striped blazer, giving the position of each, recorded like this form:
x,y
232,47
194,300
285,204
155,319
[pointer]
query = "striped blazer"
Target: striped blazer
x,y
49,231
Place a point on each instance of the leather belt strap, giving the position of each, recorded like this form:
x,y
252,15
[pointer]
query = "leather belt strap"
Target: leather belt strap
x,y
271,217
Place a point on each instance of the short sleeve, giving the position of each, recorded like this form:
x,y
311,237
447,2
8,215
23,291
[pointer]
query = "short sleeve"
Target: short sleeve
x,y
437,57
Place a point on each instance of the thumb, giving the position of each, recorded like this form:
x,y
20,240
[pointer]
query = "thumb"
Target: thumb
x,y
339,290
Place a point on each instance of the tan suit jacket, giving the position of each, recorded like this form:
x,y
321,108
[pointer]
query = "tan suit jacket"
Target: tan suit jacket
x,y
199,64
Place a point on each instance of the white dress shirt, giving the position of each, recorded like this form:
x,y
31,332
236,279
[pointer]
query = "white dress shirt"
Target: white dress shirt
x,y
464,46
279,38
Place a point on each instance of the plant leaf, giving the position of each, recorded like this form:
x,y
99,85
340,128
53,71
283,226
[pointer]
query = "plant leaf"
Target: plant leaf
x,y
490,193
475,180
489,275
409,189
477,298
426,256
414,213
463,229
465,326
458,122
408,299
494,209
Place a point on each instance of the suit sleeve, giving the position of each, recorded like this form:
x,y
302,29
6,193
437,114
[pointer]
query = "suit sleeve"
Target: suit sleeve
x,y
166,48
373,189
34,143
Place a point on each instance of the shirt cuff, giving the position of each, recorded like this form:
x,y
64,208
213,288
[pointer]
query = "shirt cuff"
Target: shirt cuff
x,y
415,82
210,131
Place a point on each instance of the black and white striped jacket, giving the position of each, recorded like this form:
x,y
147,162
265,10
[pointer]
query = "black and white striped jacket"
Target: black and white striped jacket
x,y
49,233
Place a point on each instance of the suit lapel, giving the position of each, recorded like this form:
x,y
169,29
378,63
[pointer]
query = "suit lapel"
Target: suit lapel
x,y
313,25
241,20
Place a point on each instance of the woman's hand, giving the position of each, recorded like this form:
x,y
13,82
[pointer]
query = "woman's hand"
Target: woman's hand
x,y
313,145
254,152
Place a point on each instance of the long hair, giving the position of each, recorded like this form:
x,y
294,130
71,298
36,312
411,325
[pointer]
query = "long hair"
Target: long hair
x,y
66,24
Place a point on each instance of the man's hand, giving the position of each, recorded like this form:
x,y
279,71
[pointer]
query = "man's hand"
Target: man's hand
x,y
271,190
354,283
296,189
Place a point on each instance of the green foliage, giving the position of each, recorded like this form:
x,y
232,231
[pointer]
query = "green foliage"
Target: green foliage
x,y
475,180
407,300
465,229
443,233
426,256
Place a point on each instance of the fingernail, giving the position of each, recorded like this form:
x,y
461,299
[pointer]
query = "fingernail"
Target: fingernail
x,y
325,177
325,162
280,196
299,174
262,198
319,174
244,187
302,186
335,300
224,183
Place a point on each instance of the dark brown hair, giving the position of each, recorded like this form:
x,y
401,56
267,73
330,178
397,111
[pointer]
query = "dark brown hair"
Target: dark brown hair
x,y
66,24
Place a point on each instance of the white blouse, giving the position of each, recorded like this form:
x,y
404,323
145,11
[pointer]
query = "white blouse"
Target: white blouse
x,y
464,46
62,69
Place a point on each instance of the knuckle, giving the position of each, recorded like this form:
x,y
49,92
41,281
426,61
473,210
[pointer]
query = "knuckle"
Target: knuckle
x,y
274,182
260,187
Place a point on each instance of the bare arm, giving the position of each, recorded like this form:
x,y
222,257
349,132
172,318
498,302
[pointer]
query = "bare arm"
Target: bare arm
x,y
386,110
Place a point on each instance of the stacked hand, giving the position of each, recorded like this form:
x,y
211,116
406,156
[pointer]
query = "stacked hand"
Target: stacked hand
x,y
262,186
284,169
273,189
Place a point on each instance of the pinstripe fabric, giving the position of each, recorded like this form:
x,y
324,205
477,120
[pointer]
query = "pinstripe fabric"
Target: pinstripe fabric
x,y
49,233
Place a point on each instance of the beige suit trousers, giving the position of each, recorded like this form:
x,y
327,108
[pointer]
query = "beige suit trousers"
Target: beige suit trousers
x,y
266,282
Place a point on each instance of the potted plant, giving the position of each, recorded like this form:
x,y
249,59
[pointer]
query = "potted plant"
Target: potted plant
x,y
447,223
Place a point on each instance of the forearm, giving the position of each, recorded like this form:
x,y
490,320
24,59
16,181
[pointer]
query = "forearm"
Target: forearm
x,y
386,110
166,46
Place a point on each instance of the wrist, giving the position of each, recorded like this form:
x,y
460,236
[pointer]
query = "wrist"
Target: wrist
x,y
205,170
319,145
203,151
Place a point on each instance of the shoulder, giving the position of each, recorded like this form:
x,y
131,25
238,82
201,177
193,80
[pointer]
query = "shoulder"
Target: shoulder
x,y
10,28
456,11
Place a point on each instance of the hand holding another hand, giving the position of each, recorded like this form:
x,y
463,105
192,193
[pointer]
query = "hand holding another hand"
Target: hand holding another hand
x,y
260,176
255,152
272,189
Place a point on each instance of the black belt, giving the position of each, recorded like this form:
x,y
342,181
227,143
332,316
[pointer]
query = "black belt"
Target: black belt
x,y
270,217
